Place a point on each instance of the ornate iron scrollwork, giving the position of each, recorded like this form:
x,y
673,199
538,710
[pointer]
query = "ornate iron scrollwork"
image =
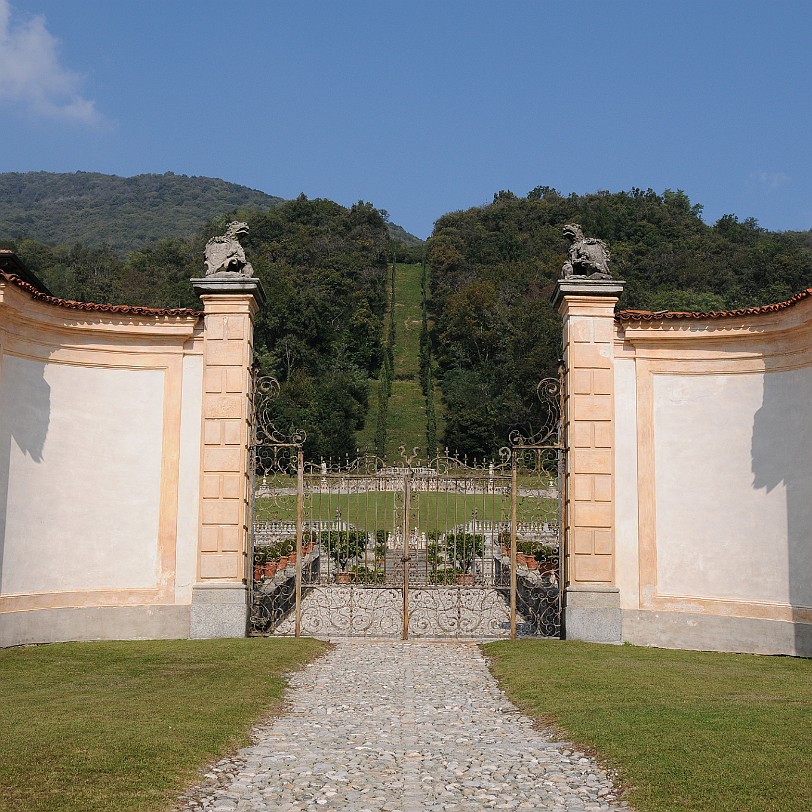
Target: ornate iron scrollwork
x,y
548,392
265,432
431,537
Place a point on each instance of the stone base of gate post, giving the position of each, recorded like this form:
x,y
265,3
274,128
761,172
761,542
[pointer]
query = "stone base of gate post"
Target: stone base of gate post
x,y
219,610
591,613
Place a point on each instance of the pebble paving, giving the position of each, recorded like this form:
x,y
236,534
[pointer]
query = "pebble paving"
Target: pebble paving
x,y
402,727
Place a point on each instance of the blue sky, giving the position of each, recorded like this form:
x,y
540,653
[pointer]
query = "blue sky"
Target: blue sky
x,y
421,107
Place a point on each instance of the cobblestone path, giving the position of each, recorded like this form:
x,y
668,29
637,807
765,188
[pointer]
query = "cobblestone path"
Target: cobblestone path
x,y
402,726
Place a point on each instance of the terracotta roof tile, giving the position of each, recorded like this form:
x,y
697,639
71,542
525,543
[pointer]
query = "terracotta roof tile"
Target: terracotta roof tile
x,y
125,310
646,315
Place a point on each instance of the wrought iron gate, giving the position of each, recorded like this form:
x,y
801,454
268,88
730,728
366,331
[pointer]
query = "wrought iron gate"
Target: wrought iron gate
x,y
447,547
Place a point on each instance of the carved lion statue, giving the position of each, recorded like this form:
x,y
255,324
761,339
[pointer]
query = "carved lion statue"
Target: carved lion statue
x,y
226,255
588,256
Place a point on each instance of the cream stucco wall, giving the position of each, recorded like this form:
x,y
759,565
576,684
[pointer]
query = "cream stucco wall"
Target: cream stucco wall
x,y
713,461
100,435
627,570
83,477
721,534
189,479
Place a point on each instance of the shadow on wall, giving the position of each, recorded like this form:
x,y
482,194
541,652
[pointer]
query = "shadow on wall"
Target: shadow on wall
x,y
782,455
25,412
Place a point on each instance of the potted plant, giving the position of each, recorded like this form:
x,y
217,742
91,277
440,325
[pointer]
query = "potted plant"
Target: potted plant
x,y
342,546
542,557
440,570
460,551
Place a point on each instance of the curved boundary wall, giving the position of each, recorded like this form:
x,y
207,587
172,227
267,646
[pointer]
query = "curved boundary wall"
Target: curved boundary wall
x,y
123,465
689,485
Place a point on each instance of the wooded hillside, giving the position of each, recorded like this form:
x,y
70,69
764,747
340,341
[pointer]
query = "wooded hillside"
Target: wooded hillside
x,y
106,210
493,270
125,214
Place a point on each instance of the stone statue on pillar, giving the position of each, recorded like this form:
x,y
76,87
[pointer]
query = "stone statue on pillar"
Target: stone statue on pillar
x,y
225,255
227,268
588,256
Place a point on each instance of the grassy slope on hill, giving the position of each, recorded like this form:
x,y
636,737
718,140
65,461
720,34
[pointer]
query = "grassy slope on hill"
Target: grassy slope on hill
x,y
406,413
365,437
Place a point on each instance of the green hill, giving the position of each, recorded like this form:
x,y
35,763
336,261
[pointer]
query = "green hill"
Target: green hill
x,y
127,214
399,234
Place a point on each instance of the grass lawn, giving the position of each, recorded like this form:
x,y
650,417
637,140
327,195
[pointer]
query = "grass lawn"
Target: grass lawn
x,y
126,725
406,416
430,511
697,731
408,319
406,421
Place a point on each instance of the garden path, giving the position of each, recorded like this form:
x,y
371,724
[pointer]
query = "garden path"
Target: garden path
x,y
406,727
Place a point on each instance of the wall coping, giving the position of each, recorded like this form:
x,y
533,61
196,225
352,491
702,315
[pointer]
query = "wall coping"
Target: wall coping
x,y
121,309
662,315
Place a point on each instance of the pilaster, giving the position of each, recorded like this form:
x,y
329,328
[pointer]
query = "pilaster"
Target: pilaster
x,y
592,602
219,597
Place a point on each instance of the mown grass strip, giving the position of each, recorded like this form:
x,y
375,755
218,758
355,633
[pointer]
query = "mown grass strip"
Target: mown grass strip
x,y
406,421
698,731
408,316
124,726
376,510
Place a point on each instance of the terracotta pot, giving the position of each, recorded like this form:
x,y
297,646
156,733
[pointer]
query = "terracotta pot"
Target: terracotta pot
x,y
270,569
292,558
521,558
342,578
258,572
464,580
532,564
283,562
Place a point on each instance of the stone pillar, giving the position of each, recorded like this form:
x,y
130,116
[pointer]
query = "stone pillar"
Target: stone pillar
x,y
591,599
220,594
